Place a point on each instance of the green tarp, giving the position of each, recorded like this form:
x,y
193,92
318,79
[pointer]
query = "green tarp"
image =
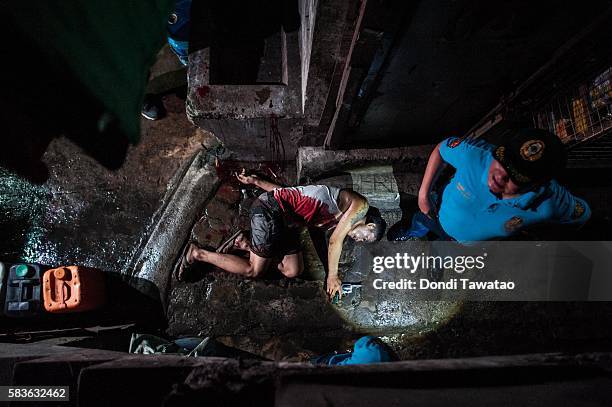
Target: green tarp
x,y
108,46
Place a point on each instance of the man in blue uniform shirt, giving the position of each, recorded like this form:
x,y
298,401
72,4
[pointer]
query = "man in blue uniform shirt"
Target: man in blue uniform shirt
x,y
496,191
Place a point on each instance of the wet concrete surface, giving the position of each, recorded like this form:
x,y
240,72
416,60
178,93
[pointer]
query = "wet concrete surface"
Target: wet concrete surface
x,y
276,317
89,215
271,316
86,214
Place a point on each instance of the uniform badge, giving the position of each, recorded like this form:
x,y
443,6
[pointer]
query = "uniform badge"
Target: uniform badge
x,y
532,150
453,142
578,210
513,224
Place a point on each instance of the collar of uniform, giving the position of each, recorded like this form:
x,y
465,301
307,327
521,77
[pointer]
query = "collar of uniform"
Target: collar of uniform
x,y
525,200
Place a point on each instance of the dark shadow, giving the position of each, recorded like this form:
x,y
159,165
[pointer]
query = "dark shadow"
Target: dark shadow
x,y
16,227
119,340
409,206
173,82
197,272
503,328
47,103
236,32
320,241
409,202
114,339
129,301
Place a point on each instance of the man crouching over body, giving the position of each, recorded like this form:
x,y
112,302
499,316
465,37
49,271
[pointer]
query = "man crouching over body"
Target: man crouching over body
x,y
318,206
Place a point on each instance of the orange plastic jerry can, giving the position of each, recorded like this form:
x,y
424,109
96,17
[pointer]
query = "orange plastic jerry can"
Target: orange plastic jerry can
x,y
73,289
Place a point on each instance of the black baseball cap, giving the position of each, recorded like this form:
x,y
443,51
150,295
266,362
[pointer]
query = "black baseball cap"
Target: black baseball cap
x,y
531,155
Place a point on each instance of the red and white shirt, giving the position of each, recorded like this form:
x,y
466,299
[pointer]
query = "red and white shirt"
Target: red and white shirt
x,y
316,205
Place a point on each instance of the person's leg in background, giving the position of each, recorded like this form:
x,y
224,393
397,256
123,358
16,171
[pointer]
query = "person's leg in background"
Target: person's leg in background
x,y
422,226
178,39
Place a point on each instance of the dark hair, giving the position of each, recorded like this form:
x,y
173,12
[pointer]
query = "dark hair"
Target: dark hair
x,y
374,216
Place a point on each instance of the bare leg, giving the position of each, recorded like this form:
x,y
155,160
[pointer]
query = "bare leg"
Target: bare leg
x,y
252,267
292,265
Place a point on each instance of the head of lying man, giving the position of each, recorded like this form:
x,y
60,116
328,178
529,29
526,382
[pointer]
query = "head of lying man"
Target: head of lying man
x,y
369,229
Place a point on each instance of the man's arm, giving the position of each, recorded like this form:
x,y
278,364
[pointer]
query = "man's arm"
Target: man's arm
x,y
255,180
569,208
355,212
454,151
434,165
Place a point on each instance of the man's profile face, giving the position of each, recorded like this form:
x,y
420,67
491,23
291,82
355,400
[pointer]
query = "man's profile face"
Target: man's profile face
x,y
499,181
363,233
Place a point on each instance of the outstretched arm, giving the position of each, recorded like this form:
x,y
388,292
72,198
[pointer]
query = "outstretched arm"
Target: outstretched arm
x,y
255,180
355,212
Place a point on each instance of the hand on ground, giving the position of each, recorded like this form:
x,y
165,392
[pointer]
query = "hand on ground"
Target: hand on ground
x,y
334,285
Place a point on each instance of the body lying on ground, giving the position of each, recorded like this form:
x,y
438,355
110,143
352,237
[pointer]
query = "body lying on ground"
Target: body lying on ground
x,y
272,216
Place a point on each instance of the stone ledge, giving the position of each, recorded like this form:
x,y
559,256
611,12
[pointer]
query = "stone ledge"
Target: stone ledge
x,y
168,235
316,162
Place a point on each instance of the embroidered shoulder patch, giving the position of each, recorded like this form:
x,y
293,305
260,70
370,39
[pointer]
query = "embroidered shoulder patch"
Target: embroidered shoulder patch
x,y
578,210
513,224
452,143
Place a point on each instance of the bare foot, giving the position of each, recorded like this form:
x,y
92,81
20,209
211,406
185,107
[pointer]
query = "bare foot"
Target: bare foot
x,y
242,242
190,255
197,254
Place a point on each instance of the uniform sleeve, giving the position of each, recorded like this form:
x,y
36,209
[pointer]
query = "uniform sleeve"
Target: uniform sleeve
x,y
569,209
457,152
